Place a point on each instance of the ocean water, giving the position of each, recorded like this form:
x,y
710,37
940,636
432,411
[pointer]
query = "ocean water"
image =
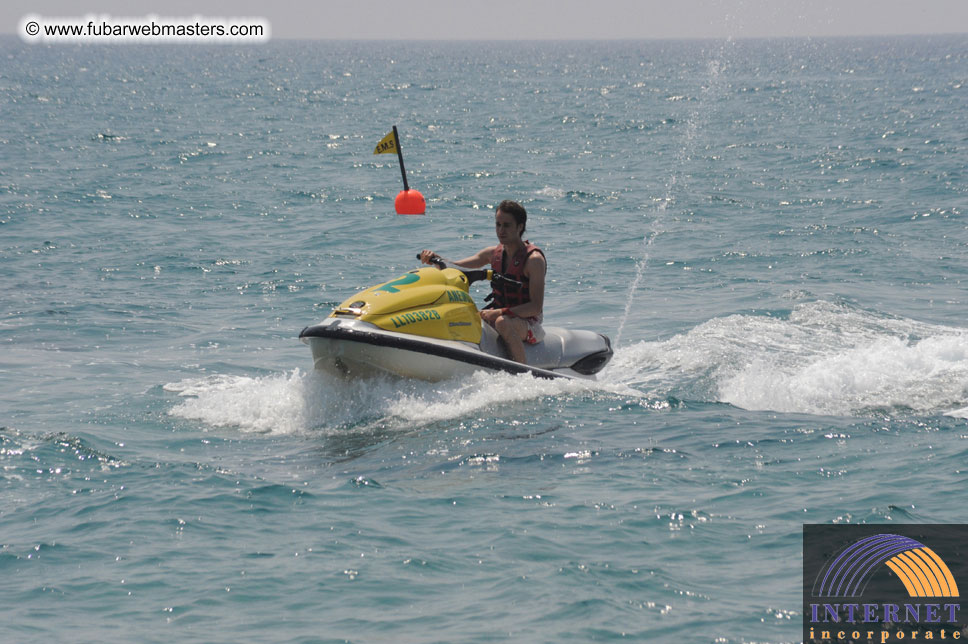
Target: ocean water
x,y
773,233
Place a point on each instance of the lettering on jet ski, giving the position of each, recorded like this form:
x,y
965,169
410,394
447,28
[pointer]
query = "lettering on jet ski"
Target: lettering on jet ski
x,y
459,296
416,316
391,287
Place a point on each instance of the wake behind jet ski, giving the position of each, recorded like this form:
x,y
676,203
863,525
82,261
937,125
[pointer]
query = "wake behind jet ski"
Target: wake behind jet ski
x,y
424,324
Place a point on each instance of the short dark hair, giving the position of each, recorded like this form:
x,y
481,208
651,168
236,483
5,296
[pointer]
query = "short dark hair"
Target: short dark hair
x,y
516,210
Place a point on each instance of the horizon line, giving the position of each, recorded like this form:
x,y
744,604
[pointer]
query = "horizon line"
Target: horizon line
x,y
547,39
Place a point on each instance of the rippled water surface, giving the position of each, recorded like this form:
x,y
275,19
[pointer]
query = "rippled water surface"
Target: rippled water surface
x,y
772,233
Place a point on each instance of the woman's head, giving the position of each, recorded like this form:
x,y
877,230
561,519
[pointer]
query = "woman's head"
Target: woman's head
x,y
515,210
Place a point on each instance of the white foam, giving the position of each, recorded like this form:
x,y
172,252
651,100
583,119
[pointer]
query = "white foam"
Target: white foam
x,y
491,391
821,359
277,404
298,402
958,413
926,375
554,193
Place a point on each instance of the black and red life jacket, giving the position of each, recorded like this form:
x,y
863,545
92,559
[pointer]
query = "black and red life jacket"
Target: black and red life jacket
x,y
505,294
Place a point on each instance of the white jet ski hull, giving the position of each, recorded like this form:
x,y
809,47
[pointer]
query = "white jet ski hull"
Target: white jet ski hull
x,y
352,348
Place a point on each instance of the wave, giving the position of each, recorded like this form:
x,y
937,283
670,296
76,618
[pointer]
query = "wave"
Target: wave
x,y
283,403
822,358
299,402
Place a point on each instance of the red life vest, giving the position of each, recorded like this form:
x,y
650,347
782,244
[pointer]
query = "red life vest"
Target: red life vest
x,y
508,294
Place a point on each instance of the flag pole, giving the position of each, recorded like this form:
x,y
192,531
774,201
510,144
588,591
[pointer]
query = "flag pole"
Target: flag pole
x,y
403,171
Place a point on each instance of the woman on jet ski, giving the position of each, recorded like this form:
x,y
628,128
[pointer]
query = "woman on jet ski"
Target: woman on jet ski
x,y
515,311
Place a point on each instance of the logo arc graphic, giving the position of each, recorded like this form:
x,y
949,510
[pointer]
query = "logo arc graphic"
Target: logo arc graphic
x,y
919,568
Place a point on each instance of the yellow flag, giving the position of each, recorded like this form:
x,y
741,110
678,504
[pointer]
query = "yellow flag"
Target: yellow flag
x,y
387,145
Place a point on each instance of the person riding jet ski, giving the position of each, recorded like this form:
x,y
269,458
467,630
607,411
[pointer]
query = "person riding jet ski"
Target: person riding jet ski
x,y
515,309
424,324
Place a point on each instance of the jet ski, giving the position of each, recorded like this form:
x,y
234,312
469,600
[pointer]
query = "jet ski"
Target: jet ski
x,y
425,325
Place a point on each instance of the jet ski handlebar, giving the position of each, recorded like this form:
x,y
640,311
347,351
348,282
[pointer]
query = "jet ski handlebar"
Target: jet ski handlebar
x,y
474,275
438,261
500,278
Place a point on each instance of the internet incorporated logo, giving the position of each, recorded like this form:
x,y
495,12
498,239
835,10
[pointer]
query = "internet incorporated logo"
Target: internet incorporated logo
x,y
906,587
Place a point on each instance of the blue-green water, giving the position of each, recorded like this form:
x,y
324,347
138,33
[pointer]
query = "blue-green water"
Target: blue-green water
x,y
773,232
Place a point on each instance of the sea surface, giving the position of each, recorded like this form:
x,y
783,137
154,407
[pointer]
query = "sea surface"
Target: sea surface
x,y
773,234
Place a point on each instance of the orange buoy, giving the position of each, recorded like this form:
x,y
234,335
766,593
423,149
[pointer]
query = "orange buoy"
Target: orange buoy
x,y
410,202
